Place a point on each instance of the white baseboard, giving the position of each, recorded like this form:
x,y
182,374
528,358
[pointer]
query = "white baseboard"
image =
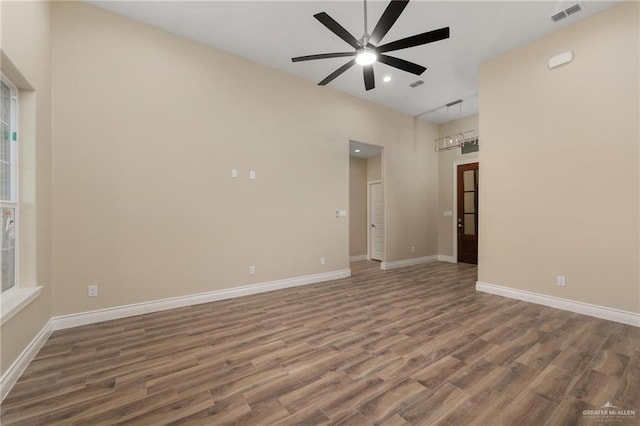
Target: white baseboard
x,y
408,262
13,373
358,258
597,311
75,320
443,258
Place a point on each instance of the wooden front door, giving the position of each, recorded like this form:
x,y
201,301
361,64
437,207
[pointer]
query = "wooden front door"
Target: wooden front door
x,y
467,218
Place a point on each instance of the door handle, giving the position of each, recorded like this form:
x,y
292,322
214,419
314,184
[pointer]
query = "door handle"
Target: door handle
x,y
372,225
460,225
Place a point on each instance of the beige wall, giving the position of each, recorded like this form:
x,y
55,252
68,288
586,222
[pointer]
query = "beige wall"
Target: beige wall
x,y
357,206
411,195
26,44
147,127
560,155
374,168
446,160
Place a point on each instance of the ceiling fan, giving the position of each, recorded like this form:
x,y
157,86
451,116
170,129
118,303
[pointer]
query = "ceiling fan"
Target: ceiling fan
x,y
367,49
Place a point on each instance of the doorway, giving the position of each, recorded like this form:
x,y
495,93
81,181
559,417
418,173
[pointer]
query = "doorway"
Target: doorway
x,y
467,177
366,169
375,202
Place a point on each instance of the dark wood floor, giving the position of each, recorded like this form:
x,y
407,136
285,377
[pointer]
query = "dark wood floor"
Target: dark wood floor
x,y
415,345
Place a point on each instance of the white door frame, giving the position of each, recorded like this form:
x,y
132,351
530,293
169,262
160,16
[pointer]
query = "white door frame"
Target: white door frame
x,y
455,202
384,253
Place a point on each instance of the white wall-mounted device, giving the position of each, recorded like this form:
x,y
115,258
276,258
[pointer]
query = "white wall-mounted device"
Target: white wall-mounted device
x,y
561,59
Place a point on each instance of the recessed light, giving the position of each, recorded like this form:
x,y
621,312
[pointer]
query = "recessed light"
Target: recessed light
x,y
356,150
387,78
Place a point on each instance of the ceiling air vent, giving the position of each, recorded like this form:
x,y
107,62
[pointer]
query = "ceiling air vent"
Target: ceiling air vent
x,y
416,83
567,12
573,9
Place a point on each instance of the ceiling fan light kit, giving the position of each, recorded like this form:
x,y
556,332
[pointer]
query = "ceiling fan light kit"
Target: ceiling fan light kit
x,y
366,57
368,51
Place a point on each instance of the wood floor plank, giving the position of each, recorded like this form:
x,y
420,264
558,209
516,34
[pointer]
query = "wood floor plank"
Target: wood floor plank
x,y
629,388
526,409
552,384
387,403
514,379
595,387
410,346
611,363
172,412
268,413
309,416
480,409
109,408
434,406
315,392
222,412
353,418
476,376
569,412
435,374
372,364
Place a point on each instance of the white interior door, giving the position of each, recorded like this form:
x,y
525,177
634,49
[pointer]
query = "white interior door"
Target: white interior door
x,y
376,219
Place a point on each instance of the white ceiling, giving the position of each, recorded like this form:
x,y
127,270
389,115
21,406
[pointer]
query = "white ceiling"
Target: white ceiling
x,y
272,32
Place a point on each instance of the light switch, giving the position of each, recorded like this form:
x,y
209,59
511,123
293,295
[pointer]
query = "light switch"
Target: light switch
x,y
341,213
447,213
234,173
561,280
252,174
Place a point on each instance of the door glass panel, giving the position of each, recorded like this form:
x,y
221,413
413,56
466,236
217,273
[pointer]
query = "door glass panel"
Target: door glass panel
x,y
469,180
469,224
469,202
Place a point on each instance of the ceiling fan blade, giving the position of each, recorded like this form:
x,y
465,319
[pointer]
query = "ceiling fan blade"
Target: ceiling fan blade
x,y
388,18
416,40
323,56
369,79
337,29
401,64
337,72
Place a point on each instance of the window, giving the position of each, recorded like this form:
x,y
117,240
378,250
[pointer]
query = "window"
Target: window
x,y
471,146
8,184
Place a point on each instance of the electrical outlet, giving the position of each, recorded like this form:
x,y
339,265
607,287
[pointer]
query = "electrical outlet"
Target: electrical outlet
x,y
413,249
252,270
561,280
92,290
323,261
